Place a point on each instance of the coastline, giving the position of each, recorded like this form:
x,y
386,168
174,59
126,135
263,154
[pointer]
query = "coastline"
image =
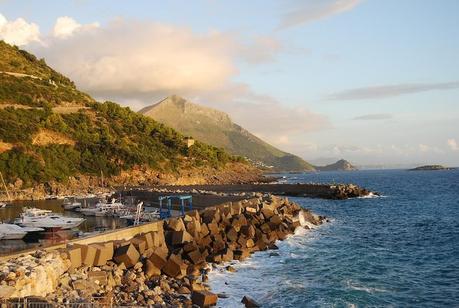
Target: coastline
x,y
189,254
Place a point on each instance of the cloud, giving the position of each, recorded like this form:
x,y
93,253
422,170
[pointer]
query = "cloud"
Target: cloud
x,y
18,32
313,10
453,144
376,116
380,92
130,59
66,26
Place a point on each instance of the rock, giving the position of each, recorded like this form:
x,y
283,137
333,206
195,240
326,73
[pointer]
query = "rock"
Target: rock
x,y
183,290
230,269
204,298
249,302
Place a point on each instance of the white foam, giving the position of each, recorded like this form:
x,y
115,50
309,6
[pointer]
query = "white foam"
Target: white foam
x,y
370,290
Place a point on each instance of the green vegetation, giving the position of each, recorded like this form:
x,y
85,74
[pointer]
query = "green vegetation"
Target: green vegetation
x,y
216,128
108,137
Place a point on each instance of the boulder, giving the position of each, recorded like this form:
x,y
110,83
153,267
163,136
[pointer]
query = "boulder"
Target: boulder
x,y
204,298
127,254
241,254
249,302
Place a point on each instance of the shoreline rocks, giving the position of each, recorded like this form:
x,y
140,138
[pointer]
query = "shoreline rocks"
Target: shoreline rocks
x,y
168,265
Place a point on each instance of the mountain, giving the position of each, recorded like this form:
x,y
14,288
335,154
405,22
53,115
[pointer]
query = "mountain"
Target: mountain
x,y
216,128
51,132
340,165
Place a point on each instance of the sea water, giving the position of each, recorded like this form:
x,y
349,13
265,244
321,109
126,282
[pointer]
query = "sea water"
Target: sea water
x,y
397,250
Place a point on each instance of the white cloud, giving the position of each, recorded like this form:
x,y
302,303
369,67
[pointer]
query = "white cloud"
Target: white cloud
x,y
66,26
139,59
453,144
312,10
385,91
18,32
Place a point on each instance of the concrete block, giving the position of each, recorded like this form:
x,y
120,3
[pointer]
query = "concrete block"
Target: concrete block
x,y
139,243
127,254
204,298
181,237
88,254
104,252
151,269
74,255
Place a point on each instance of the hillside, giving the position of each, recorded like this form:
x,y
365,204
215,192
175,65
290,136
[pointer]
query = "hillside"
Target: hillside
x,y
51,132
216,128
340,165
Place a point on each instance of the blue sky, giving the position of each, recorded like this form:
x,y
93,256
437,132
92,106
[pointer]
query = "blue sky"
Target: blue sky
x,y
375,82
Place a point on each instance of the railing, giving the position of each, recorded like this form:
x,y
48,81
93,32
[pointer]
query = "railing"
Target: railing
x,y
38,303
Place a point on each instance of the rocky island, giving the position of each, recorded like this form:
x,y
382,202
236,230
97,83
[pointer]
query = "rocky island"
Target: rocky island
x,y
431,168
340,165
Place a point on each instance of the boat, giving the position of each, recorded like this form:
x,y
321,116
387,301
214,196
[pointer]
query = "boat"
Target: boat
x,y
103,208
33,217
15,232
70,204
2,205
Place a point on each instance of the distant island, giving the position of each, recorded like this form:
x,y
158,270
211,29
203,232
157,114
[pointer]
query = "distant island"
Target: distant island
x,y
340,165
431,168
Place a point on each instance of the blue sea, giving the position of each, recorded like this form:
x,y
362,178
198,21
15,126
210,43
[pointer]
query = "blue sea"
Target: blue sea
x,y
398,250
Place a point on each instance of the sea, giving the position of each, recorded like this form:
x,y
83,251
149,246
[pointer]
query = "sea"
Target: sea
x,y
400,249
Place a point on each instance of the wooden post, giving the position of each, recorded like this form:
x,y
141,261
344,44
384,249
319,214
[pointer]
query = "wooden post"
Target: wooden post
x,y
102,178
6,188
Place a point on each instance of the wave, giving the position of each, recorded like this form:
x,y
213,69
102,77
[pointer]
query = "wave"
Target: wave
x,y
371,290
371,196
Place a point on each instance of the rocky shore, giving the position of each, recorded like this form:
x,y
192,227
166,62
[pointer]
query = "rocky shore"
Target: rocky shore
x,y
166,266
232,173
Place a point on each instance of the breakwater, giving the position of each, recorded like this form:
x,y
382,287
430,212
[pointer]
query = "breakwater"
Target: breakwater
x,y
164,262
325,191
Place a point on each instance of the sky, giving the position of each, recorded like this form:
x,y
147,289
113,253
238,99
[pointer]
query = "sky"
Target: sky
x,y
375,82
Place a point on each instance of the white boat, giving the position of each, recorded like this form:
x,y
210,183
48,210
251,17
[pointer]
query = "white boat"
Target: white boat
x,y
70,204
102,208
15,232
2,205
33,217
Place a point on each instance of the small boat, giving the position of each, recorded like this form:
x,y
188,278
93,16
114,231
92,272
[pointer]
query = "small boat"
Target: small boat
x,y
103,208
15,232
33,217
70,204
2,205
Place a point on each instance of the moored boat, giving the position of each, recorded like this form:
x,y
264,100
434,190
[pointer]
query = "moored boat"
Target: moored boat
x,y
15,232
70,204
33,217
